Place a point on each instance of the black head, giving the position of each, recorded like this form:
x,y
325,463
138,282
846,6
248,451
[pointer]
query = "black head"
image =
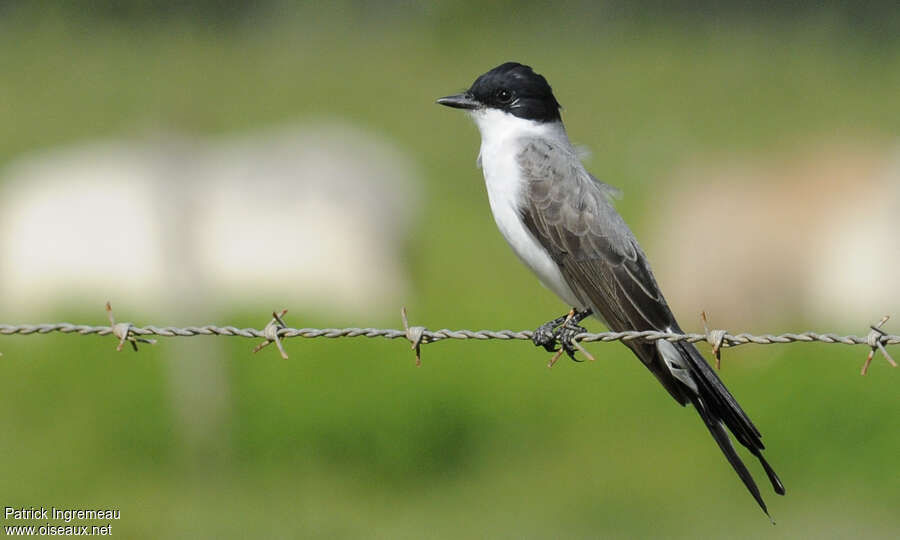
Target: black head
x,y
511,87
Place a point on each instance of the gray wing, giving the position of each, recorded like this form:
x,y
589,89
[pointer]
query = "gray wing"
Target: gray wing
x,y
570,214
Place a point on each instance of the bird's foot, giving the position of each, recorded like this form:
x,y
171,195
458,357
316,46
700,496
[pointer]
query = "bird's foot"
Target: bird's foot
x,y
545,334
566,333
562,330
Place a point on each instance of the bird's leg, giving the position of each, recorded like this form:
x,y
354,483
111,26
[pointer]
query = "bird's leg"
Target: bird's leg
x,y
545,334
570,328
561,330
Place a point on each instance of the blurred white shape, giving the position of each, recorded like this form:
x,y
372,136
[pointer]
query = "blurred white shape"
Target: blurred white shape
x,y
309,217
856,274
323,215
76,221
760,245
312,218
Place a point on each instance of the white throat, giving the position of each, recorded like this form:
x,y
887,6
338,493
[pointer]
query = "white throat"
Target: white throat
x,y
502,136
499,128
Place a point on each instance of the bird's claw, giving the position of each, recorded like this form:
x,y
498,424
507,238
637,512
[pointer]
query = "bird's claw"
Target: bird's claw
x,y
565,335
561,331
545,336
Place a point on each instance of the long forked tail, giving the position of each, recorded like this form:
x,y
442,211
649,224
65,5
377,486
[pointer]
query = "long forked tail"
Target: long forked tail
x,y
718,409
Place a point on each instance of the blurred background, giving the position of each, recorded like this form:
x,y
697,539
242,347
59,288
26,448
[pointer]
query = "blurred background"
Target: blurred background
x,y
211,161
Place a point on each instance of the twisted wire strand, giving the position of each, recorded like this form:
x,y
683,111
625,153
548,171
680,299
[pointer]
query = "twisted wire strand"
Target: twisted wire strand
x,y
430,336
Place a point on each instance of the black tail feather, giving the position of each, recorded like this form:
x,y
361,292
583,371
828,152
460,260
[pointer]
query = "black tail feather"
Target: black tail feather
x,y
719,409
709,379
718,432
776,482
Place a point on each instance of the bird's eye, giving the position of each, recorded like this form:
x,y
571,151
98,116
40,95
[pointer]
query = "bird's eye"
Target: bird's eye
x,y
504,95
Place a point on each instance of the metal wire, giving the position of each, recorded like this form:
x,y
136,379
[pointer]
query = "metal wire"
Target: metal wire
x,y
430,336
276,331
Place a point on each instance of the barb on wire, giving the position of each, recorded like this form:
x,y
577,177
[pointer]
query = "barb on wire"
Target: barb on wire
x,y
271,333
874,340
276,331
123,331
414,334
716,338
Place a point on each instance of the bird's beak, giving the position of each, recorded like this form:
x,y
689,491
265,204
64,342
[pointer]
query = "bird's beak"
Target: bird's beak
x,y
460,101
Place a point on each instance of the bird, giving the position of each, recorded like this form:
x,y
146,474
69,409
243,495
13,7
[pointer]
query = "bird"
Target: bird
x,y
560,221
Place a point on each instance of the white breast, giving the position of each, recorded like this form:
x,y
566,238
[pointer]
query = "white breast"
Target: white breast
x,y
501,134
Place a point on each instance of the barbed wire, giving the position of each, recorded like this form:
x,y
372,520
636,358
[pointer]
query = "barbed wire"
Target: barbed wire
x,y
276,331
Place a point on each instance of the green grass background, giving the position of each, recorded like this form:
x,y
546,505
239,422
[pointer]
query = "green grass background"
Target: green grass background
x,y
347,439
